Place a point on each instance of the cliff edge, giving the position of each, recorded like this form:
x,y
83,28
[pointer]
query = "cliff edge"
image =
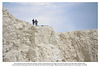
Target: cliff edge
x,y
23,42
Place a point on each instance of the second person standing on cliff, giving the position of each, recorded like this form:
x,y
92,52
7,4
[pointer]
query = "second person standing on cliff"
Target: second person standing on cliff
x,y
33,21
36,22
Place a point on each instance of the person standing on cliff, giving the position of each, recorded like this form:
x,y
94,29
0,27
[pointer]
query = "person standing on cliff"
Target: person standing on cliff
x,y
33,21
36,22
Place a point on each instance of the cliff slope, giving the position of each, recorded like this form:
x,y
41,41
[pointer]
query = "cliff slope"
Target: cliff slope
x,y
23,42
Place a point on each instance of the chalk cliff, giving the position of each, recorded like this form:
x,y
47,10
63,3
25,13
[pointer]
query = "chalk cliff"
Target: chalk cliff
x,y
23,42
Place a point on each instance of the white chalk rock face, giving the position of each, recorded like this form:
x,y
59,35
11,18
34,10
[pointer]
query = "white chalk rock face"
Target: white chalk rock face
x,y
23,42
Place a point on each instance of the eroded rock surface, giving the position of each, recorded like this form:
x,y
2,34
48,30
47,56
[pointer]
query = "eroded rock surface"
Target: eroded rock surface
x,y
23,42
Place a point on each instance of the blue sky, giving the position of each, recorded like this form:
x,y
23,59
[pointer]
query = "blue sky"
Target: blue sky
x,y
62,16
